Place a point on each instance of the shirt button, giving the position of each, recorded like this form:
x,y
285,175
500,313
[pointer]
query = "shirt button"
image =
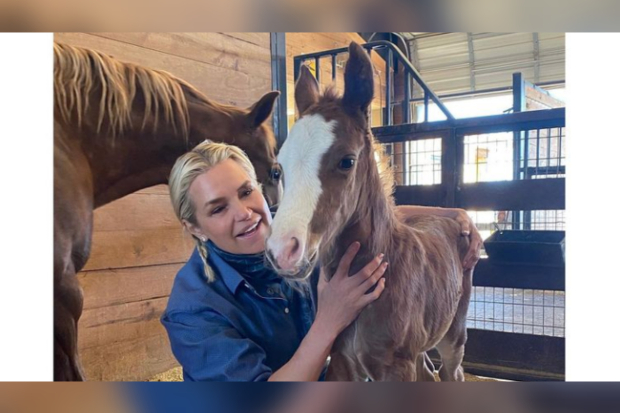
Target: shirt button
x,y
286,310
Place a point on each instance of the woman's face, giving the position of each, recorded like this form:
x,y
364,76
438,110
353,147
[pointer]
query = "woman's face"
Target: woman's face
x,y
230,210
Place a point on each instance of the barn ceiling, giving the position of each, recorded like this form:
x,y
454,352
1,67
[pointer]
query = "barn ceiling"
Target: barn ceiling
x,y
464,62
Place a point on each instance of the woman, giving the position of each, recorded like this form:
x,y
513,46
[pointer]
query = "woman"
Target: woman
x,y
229,318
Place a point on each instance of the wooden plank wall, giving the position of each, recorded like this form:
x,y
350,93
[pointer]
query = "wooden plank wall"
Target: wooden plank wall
x,y
138,244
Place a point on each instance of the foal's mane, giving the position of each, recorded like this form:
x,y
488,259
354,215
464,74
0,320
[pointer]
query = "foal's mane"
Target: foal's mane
x,y
79,71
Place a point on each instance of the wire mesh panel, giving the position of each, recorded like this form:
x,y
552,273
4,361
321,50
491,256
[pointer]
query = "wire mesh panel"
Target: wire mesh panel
x,y
423,162
546,154
490,157
514,310
416,162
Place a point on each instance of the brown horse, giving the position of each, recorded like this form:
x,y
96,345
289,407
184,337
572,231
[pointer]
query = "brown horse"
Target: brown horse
x,y
335,195
118,128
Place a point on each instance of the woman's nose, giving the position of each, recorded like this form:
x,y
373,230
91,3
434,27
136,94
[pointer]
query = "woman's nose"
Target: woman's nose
x,y
243,213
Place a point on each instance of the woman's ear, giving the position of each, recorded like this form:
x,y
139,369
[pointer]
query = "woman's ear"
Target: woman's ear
x,y
194,230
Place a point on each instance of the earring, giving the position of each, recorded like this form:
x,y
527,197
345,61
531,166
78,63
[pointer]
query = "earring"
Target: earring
x,y
203,239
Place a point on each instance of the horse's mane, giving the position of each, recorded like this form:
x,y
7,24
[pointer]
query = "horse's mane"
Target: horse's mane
x,y
386,172
79,71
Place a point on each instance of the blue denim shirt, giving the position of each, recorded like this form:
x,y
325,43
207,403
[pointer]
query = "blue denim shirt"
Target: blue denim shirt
x,y
234,328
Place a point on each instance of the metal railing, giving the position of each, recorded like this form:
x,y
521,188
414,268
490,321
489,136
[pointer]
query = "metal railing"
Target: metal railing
x,y
393,57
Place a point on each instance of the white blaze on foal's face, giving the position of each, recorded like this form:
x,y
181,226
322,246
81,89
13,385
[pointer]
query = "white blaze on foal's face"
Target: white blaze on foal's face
x,y
301,157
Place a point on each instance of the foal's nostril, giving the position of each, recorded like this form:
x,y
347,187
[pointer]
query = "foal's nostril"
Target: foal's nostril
x,y
295,245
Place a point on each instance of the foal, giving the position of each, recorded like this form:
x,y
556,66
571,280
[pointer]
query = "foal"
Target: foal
x,y
334,195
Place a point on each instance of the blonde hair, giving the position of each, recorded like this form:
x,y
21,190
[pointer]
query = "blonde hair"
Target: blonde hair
x,y
189,166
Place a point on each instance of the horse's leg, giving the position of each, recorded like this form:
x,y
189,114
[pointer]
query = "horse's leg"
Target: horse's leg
x,y
452,345
72,237
67,310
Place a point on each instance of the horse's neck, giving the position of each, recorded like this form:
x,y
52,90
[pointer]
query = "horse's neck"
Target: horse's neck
x,y
372,225
142,157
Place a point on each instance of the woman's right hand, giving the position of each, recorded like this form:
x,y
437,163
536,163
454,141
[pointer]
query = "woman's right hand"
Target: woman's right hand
x,y
341,299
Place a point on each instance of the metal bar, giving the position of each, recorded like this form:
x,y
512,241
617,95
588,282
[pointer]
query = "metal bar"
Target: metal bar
x,y
388,89
425,107
297,62
528,277
531,194
511,356
490,91
450,172
537,149
317,69
559,149
334,68
535,119
406,104
402,58
518,105
278,82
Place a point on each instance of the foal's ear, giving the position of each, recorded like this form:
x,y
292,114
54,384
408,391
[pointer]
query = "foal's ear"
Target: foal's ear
x,y
358,79
306,90
260,111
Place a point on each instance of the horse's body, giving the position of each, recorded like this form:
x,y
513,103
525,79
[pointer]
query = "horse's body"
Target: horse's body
x,y
119,128
334,196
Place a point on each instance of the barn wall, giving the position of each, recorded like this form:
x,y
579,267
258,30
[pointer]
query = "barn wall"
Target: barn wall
x,y
138,245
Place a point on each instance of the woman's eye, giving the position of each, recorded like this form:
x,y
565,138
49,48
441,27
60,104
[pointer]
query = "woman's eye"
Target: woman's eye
x,y
247,192
217,210
346,163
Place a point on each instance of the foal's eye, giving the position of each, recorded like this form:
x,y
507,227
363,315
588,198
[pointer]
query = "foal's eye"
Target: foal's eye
x,y
276,172
347,163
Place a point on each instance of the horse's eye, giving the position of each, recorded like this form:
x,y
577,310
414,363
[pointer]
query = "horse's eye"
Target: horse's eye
x,y
276,173
346,163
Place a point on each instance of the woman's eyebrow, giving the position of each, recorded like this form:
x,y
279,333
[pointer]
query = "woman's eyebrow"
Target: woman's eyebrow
x,y
244,185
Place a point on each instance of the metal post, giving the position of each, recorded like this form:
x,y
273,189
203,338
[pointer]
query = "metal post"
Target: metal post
x,y
278,82
317,69
388,89
406,103
334,68
518,105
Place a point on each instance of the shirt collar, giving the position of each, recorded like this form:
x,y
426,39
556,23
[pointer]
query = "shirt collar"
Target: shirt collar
x,y
231,277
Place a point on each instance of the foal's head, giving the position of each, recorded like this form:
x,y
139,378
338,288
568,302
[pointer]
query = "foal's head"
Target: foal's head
x,y
326,160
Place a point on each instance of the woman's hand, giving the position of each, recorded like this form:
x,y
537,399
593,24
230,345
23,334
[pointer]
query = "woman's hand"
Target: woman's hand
x,y
341,299
468,229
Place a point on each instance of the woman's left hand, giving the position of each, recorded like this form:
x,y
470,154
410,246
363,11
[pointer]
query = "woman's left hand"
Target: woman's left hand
x,y
468,229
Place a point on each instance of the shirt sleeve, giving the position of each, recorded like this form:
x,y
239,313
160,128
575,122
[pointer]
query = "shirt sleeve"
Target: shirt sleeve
x,y
209,348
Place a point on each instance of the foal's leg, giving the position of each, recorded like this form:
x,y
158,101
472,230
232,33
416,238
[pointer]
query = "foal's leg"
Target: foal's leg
x,y
452,345
342,368
425,368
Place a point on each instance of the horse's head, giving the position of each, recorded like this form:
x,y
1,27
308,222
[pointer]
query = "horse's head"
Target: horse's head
x,y
246,128
325,160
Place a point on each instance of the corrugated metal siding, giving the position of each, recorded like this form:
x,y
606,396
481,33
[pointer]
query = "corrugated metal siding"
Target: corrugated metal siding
x,y
449,65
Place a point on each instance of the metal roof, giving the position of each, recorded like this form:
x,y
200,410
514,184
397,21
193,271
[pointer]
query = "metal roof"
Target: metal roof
x,y
463,62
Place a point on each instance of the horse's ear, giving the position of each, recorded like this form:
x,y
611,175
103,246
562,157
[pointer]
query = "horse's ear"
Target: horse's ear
x,y
260,111
306,90
358,79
